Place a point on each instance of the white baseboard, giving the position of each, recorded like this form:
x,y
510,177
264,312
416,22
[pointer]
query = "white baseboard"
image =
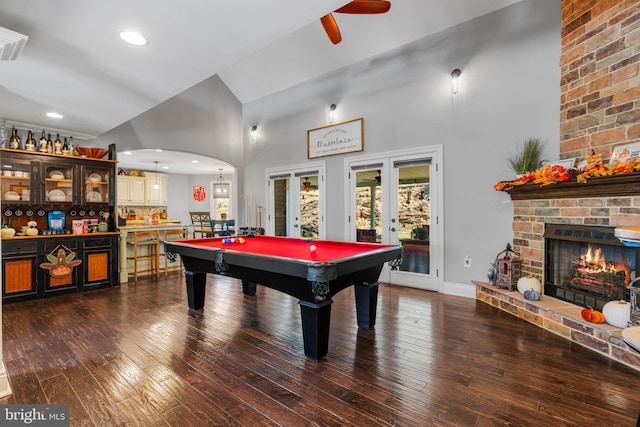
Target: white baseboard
x,y
461,290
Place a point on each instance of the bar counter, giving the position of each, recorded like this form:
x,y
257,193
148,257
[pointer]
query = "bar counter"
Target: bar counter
x,y
133,226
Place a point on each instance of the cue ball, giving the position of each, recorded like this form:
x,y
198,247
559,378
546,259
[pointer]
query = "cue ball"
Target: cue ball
x,y
312,248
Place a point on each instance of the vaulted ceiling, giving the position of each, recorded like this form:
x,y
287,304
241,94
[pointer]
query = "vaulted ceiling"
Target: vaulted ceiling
x,y
74,63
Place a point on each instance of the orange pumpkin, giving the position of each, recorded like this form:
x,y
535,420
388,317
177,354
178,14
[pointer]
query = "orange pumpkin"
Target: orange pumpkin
x,y
591,315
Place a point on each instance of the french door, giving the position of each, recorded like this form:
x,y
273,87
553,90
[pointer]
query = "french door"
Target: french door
x,y
296,205
395,199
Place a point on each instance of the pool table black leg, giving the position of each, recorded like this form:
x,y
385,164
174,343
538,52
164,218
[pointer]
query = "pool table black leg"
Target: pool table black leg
x,y
196,284
366,304
248,288
315,328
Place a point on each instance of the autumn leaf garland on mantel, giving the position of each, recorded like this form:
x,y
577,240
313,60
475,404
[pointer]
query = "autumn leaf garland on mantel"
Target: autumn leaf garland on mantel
x,y
553,174
546,175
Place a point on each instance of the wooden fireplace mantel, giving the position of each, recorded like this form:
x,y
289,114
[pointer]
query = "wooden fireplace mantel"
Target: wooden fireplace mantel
x,y
623,185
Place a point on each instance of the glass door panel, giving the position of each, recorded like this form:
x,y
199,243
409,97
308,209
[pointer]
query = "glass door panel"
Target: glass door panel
x,y
368,205
281,210
16,181
414,217
58,183
309,198
96,184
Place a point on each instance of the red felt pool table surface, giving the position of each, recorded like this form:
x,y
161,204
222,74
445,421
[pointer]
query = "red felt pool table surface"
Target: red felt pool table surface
x,y
288,247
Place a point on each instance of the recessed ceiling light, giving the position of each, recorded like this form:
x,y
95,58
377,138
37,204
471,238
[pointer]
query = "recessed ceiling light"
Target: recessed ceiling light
x,y
165,167
194,161
158,150
133,37
128,153
54,115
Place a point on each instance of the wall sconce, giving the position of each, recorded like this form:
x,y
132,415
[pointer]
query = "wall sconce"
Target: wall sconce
x,y
254,133
332,113
455,81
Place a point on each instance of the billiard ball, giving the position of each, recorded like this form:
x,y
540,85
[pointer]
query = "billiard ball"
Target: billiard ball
x,y
312,248
241,240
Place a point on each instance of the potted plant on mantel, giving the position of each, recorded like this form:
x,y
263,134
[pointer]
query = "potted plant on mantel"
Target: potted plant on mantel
x,y
528,158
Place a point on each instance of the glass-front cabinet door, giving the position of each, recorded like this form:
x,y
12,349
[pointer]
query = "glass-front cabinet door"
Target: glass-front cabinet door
x,y
59,181
96,184
16,181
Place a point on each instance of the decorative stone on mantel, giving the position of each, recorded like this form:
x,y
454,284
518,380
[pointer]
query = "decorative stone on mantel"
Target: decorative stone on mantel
x,y
564,319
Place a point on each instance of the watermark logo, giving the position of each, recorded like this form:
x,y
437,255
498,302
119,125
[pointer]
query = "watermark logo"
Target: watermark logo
x,y
34,415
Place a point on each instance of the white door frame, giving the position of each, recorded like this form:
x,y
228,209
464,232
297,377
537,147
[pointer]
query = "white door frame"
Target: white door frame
x,y
385,161
294,173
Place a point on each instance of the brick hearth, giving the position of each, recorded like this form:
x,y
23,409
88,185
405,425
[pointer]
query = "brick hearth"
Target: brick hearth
x,y
564,319
599,111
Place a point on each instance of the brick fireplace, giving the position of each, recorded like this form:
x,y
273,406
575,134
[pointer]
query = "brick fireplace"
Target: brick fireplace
x,y
599,110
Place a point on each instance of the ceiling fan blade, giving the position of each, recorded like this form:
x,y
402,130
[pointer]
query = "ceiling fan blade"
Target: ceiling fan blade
x,y
331,28
365,7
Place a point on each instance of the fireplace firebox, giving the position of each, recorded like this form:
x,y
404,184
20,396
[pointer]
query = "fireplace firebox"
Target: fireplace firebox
x,y
587,265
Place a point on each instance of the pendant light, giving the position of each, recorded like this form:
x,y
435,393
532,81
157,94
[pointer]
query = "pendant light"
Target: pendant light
x,y
221,188
156,186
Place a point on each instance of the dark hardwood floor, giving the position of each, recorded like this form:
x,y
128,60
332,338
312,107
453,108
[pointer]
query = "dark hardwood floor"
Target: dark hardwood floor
x,y
135,355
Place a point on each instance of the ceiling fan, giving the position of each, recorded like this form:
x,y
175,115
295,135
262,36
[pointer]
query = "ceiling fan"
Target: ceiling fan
x,y
358,7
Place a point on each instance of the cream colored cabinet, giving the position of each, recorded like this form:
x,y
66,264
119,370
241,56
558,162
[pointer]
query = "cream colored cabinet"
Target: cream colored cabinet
x,y
156,188
131,190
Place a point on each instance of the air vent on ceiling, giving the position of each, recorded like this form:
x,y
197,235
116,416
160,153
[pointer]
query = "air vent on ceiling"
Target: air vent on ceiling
x,y
11,44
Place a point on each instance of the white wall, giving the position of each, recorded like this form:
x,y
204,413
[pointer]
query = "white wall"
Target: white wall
x,y
510,91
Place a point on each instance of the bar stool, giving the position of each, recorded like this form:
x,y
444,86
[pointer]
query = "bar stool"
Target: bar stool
x,y
150,257
170,235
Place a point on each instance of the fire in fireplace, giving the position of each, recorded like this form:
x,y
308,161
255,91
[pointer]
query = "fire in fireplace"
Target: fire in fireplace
x,y
587,265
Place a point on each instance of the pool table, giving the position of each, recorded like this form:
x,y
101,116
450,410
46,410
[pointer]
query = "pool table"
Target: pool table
x,y
291,265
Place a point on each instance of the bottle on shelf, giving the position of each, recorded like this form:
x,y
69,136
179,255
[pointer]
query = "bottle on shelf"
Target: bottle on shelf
x,y
65,148
57,147
30,143
14,141
72,147
42,147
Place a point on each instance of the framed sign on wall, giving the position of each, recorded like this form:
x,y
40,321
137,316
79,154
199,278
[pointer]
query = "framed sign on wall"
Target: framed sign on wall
x,y
339,138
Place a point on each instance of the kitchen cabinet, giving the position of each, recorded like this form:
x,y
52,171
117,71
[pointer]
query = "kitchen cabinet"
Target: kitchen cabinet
x,y
157,196
44,179
19,270
76,188
24,279
131,190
